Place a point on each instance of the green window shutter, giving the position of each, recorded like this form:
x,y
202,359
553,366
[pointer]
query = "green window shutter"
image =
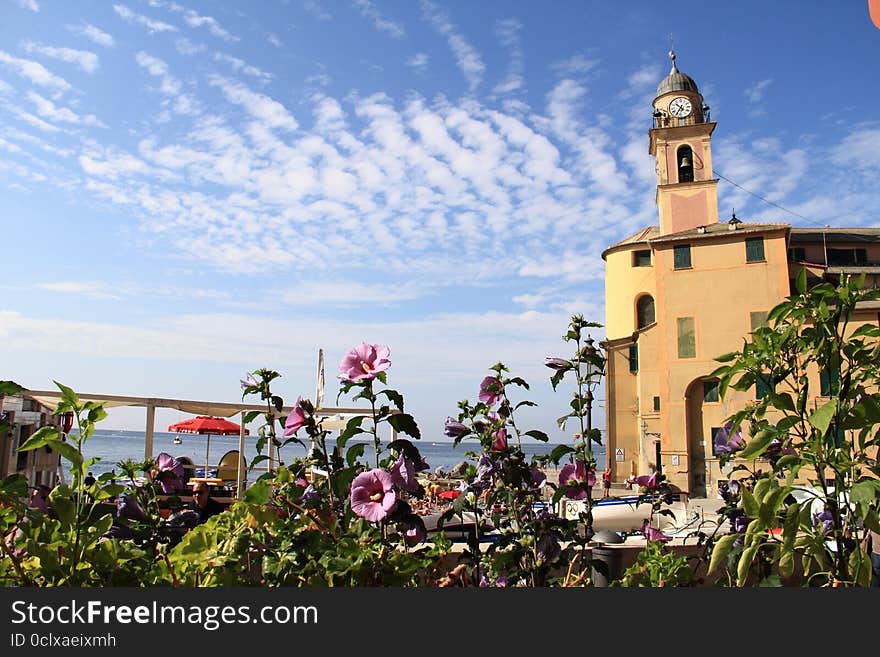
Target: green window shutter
x,y
710,391
829,382
755,249
656,403
758,319
687,343
634,358
682,256
762,386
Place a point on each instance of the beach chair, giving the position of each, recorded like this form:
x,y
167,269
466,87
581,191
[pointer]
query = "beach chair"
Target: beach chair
x,y
228,468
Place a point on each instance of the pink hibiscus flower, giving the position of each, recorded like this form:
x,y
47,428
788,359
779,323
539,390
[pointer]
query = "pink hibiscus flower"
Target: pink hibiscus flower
x,y
578,478
654,534
364,362
491,390
296,420
372,495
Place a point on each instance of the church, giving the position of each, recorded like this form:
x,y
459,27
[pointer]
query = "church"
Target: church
x,y
681,293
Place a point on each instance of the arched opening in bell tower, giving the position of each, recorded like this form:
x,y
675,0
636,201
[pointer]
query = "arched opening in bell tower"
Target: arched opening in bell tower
x,y
685,161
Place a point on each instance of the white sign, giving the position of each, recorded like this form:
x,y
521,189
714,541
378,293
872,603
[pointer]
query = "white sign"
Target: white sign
x,y
618,454
675,459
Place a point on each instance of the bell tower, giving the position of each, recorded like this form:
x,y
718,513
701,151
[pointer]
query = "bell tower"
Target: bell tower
x,y
681,143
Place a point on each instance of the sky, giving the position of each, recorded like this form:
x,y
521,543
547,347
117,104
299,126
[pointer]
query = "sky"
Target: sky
x,y
192,191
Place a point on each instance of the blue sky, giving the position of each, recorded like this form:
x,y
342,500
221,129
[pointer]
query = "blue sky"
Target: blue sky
x,y
192,191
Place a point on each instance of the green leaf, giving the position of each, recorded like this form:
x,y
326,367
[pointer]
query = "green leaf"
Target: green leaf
x,y
720,551
524,402
538,435
9,388
354,453
394,397
559,452
865,490
61,501
745,562
562,420
66,450
822,416
556,378
258,493
757,445
801,282
352,428
68,395
750,504
250,416
38,438
405,423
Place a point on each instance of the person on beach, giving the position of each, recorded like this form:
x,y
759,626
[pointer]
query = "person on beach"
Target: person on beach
x,y
203,504
606,482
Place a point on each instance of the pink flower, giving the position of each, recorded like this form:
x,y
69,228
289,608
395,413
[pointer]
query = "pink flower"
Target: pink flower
x,y
499,440
403,473
169,473
364,362
648,481
491,390
654,534
372,495
414,534
296,420
578,478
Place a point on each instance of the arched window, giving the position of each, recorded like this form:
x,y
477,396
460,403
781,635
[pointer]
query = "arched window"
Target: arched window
x,y
685,159
645,311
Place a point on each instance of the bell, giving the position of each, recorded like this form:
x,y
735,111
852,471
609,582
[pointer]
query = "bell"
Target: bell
x,y
685,161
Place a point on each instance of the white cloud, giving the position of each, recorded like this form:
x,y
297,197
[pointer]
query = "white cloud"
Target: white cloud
x,y
508,31
240,66
317,10
418,62
273,39
574,66
186,47
87,61
35,72
48,110
754,97
269,111
92,33
30,5
466,56
169,85
152,26
96,290
368,10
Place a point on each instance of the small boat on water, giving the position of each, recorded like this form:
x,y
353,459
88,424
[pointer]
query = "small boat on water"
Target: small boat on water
x,y
177,440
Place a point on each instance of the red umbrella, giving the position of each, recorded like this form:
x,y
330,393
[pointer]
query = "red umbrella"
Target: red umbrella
x,y
207,425
449,494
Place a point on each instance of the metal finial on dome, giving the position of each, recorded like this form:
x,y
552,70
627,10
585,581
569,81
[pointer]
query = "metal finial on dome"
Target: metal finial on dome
x,y
672,57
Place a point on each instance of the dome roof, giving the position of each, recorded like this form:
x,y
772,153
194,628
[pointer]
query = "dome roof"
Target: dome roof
x,y
676,81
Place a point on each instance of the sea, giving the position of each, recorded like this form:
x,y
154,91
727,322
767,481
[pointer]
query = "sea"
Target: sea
x,y
112,446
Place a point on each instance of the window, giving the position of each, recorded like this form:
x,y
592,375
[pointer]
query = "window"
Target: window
x,y
763,385
682,259
645,311
758,319
687,344
710,391
754,249
685,158
656,404
642,258
715,441
797,254
829,382
844,257
634,358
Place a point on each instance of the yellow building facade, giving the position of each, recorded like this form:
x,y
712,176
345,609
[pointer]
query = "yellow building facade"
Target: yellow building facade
x,y
680,294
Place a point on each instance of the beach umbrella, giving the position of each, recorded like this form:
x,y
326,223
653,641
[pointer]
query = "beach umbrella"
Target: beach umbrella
x,y
449,494
207,425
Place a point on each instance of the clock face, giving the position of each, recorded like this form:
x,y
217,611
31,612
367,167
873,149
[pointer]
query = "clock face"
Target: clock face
x,y
680,107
